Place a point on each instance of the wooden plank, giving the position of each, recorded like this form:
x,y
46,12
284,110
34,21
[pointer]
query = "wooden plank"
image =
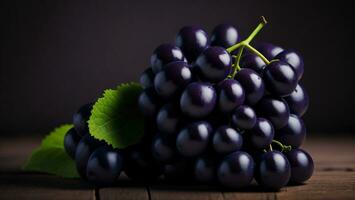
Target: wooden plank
x,y
180,193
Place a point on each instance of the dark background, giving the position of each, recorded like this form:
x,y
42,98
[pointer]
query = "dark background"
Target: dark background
x,y
57,55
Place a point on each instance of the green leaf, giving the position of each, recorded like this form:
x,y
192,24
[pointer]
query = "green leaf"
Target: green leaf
x,y
51,157
115,117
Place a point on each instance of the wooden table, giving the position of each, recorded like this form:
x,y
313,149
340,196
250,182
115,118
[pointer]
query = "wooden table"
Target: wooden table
x,y
334,178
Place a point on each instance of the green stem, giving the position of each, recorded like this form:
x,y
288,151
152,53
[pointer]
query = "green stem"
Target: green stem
x,y
237,61
283,147
252,49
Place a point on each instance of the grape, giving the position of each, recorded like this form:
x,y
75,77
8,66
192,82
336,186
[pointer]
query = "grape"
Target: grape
x,y
162,149
192,40
224,35
172,79
165,54
280,79
71,140
205,169
252,84
80,119
147,78
198,100
275,109
230,95
226,140
236,170
298,101
262,134
180,170
243,117
168,119
193,140
149,102
253,62
85,147
268,50
213,64
293,133
301,165
104,165
294,59
273,171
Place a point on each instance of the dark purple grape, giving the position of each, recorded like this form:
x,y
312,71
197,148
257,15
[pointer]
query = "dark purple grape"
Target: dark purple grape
x,y
168,119
149,102
253,62
172,79
224,35
165,54
71,140
280,79
192,40
293,133
273,171
236,170
147,78
193,140
298,101
275,109
198,100
213,64
243,117
226,140
104,166
301,165
163,150
293,58
178,171
139,164
262,134
268,50
85,147
252,84
205,169
80,119
230,95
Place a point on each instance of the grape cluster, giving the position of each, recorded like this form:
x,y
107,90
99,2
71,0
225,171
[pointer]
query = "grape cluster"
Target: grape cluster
x,y
216,110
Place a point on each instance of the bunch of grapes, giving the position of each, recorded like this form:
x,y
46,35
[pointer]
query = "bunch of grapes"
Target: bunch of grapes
x,y
217,111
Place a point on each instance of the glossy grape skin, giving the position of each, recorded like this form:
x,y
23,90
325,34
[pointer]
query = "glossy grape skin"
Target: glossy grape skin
x,y
162,149
268,50
253,62
273,171
71,140
262,134
193,140
149,102
80,119
236,170
205,169
275,109
213,64
293,133
165,54
230,95
293,58
302,165
192,40
139,164
198,100
244,117
85,147
280,79
226,140
168,119
298,101
104,166
252,84
172,79
147,78
224,35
